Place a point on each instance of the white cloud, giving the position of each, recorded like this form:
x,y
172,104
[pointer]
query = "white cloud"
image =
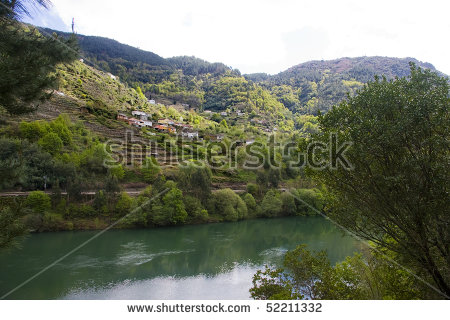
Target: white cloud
x,y
269,35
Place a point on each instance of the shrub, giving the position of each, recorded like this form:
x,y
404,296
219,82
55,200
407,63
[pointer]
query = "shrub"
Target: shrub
x,y
288,204
38,201
312,201
271,205
252,189
228,205
123,204
51,143
250,202
195,210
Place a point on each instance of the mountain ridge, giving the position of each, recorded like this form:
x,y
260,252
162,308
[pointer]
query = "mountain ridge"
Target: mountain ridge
x,y
305,88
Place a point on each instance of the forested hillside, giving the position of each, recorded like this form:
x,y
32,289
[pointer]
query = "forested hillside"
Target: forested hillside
x,y
317,85
304,89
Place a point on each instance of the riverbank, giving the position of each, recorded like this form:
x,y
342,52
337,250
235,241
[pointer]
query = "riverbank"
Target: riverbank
x,y
161,204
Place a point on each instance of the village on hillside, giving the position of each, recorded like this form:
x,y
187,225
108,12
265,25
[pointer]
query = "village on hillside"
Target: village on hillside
x,y
141,119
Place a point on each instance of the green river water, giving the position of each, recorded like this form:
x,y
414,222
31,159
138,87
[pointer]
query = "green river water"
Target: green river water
x,y
212,261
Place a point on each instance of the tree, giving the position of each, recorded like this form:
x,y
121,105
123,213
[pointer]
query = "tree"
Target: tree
x,y
271,204
397,195
139,92
308,201
310,275
11,227
17,8
28,59
288,204
117,171
250,202
195,210
228,204
150,169
51,143
170,210
195,179
224,124
38,201
123,204
252,189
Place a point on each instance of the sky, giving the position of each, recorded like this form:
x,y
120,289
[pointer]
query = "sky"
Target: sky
x,y
264,35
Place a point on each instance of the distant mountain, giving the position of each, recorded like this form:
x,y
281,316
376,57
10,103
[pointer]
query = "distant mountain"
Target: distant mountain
x,y
317,85
134,65
362,69
305,88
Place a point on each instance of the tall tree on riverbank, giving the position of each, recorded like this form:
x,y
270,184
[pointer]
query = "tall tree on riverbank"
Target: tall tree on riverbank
x,y
28,58
397,196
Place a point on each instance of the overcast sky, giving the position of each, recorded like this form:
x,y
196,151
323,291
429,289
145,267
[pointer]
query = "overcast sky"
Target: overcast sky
x,y
264,35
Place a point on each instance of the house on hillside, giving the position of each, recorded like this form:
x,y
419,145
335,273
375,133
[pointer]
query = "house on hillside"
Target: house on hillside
x,y
223,114
138,124
190,134
122,117
151,101
132,121
240,114
140,115
166,121
165,128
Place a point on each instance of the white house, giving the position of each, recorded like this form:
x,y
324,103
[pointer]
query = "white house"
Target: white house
x,y
112,76
190,134
152,101
223,114
139,114
240,114
147,123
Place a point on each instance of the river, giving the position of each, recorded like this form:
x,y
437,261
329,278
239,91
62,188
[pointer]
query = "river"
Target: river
x,y
211,261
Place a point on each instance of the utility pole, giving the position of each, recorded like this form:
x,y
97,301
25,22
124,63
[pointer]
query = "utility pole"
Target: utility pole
x,y
73,25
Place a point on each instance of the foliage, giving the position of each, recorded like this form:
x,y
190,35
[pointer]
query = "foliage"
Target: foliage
x,y
170,210
11,227
308,201
228,205
195,179
196,212
272,284
271,205
150,169
397,195
38,201
308,275
318,85
250,202
33,56
124,204
51,143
